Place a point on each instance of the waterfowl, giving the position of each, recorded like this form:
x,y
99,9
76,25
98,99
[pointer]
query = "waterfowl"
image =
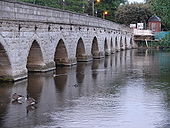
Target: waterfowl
x,y
30,100
17,98
31,108
75,85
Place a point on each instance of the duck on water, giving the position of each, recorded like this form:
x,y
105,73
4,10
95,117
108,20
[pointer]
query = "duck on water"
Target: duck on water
x,y
16,98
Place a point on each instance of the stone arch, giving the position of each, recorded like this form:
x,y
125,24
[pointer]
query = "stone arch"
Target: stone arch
x,y
5,65
126,46
61,55
106,51
80,50
131,42
121,43
111,45
35,60
116,43
95,48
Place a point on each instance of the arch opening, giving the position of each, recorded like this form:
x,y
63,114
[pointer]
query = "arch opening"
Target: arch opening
x,y
111,46
95,48
106,50
35,58
126,47
61,55
5,66
131,42
121,43
116,44
80,50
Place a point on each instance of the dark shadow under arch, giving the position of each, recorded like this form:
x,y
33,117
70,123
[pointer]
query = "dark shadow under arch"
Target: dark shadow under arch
x,y
116,44
61,55
5,66
111,46
111,43
131,42
95,48
121,43
106,47
80,50
126,47
35,58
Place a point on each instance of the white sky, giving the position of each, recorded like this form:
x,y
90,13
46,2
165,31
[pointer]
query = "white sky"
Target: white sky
x,y
139,1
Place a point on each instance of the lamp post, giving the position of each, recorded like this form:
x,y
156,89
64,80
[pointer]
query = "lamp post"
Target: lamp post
x,y
93,3
63,4
96,12
105,13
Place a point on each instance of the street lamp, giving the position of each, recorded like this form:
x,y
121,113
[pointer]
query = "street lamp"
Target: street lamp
x,y
63,4
105,13
93,2
96,12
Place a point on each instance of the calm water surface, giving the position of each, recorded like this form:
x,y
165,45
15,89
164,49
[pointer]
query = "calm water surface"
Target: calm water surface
x,y
130,89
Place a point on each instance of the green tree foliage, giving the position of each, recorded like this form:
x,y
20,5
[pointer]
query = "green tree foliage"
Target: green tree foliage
x,y
72,5
108,5
162,9
82,6
133,13
165,42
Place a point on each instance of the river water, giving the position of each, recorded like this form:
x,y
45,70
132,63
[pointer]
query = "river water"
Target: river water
x,y
129,89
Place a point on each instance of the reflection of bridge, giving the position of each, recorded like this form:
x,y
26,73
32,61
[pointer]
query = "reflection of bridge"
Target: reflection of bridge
x,y
35,38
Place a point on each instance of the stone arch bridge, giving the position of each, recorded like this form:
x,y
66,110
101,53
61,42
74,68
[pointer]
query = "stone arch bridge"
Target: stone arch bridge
x,y
36,38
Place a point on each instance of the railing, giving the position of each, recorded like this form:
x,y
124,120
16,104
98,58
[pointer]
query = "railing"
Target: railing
x,y
142,32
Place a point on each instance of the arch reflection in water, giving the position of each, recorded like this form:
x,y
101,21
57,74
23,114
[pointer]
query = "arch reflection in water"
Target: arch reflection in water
x,y
67,86
60,78
13,112
95,66
111,60
36,82
5,94
106,59
41,87
80,72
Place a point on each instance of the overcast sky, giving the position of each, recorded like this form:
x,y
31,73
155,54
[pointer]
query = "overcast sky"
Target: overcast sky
x,y
131,1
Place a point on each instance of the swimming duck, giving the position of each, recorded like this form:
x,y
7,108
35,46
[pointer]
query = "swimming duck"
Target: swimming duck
x,y
75,85
30,100
31,108
17,98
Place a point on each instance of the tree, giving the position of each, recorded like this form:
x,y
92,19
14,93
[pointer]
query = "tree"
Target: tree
x,y
82,6
110,6
162,9
72,5
133,13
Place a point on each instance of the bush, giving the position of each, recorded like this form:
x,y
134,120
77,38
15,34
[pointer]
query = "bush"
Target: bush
x,y
165,42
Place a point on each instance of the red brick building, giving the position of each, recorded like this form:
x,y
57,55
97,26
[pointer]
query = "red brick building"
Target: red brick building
x,y
154,23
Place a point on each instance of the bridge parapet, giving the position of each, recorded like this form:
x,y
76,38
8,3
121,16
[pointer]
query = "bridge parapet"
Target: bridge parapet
x,y
20,11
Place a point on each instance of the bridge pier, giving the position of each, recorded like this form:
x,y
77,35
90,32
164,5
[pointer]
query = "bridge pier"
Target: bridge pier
x,y
113,50
98,55
107,52
84,58
65,61
41,67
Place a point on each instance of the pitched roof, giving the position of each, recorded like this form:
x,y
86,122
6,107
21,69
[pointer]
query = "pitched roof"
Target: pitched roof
x,y
154,18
